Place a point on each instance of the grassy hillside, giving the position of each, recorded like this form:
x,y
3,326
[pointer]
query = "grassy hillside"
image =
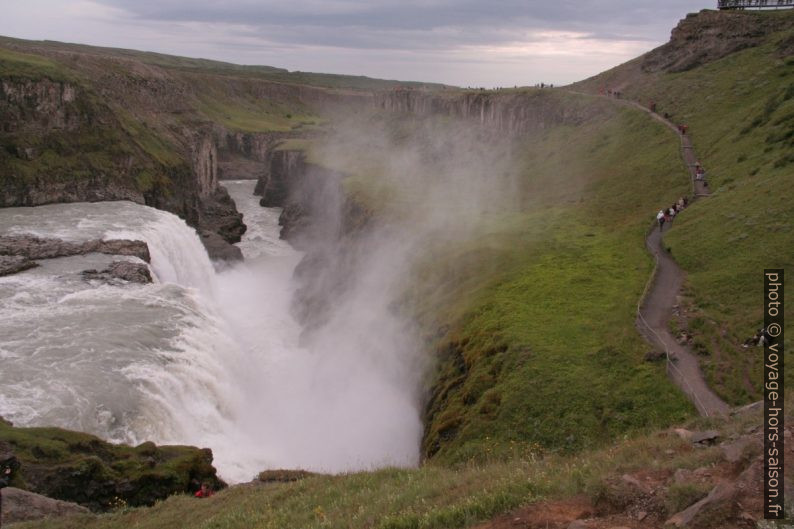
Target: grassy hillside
x,y
740,110
209,90
25,65
196,65
437,497
249,113
542,353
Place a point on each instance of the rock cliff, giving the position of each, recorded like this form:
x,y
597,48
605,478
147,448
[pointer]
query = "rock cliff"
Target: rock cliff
x,y
282,168
62,144
244,155
504,112
705,37
698,39
30,105
53,146
319,218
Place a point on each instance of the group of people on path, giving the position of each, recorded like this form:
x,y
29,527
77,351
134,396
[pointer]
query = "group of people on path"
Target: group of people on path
x,y
668,214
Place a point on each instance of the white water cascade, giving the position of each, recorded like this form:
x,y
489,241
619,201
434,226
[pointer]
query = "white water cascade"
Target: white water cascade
x,y
199,357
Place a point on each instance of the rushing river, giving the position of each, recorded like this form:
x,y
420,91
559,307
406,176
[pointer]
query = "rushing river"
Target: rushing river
x,y
198,357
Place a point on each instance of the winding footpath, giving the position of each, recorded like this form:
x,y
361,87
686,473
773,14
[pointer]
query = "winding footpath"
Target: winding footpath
x,y
654,310
656,306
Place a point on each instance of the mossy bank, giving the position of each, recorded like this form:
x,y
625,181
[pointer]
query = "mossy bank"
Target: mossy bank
x,y
83,469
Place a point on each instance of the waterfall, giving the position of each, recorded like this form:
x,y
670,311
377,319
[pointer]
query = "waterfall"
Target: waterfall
x,y
199,357
177,255
128,363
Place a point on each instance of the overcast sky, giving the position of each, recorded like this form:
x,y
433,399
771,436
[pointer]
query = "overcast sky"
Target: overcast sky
x,y
461,42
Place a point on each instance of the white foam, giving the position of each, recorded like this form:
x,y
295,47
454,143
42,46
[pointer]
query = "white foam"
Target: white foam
x,y
199,357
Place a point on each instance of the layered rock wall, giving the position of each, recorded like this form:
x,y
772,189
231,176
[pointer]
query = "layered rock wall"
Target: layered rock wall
x,y
281,168
512,113
28,105
60,143
707,36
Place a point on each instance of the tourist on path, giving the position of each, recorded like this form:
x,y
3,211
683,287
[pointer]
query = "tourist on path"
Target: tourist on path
x,y
700,173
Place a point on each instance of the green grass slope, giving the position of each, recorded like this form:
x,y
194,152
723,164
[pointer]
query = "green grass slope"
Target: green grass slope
x,y
438,497
542,352
740,110
25,65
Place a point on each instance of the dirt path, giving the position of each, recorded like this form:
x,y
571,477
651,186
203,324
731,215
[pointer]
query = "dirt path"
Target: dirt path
x,y
655,309
652,320
653,315
699,187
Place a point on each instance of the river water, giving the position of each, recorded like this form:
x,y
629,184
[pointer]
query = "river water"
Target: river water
x,y
201,357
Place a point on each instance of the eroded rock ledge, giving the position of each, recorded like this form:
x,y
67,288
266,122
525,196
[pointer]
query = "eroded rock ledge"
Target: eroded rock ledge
x,y
19,253
33,248
11,264
121,270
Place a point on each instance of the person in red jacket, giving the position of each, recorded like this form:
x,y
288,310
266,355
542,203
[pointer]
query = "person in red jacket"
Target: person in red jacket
x,y
205,491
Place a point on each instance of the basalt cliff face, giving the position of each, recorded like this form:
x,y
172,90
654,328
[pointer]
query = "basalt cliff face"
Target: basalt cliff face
x,y
319,218
88,124
42,120
30,105
245,155
504,112
61,143
283,168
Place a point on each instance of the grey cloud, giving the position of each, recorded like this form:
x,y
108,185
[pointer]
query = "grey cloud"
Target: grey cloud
x,y
465,42
391,24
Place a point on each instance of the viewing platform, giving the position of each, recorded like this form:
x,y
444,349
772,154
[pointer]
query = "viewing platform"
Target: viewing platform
x,y
755,4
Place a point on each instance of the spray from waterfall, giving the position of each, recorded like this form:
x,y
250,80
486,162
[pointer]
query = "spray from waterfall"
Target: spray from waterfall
x,y
217,359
